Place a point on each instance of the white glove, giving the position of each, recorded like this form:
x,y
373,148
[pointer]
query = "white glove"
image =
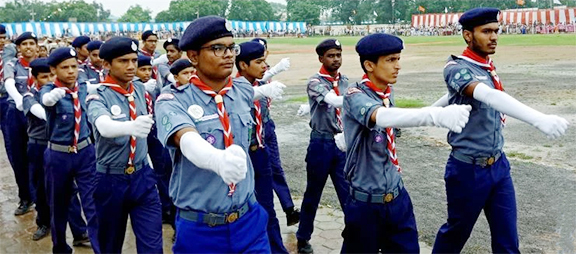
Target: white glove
x,y
139,128
340,141
50,99
38,111
442,102
18,103
160,60
551,125
283,65
272,90
453,117
230,164
150,86
91,87
303,110
10,85
333,99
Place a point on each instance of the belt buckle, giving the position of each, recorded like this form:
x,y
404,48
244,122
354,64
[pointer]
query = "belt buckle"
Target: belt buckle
x,y
72,149
253,148
490,161
129,170
388,197
232,217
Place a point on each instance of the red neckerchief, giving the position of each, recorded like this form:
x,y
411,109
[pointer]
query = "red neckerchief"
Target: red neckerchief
x,y
26,65
222,114
384,95
129,94
324,73
100,70
257,115
144,52
77,110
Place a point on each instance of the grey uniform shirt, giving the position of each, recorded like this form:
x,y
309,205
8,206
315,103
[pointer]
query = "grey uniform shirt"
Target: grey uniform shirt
x,y
323,115
163,71
14,69
482,136
114,152
36,126
191,187
368,166
7,54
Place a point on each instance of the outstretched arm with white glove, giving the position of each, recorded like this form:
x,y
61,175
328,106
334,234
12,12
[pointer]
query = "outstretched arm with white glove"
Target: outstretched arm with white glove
x,y
442,102
160,60
38,111
551,125
283,65
139,128
50,99
340,142
272,90
151,85
10,85
453,117
230,164
333,99
304,109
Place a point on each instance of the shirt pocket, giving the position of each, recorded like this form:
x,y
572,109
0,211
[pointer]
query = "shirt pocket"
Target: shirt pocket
x,y
212,131
246,124
65,113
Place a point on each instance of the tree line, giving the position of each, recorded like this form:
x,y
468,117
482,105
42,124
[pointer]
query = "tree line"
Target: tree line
x,y
310,11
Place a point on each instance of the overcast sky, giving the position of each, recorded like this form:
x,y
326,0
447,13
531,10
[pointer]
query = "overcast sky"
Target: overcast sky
x,y
118,7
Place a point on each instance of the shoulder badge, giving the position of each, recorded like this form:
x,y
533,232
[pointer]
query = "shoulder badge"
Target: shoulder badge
x,y
165,96
92,97
353,90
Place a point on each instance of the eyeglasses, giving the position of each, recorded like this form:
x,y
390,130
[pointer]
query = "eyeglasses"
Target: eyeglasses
x,y
151,41
219,49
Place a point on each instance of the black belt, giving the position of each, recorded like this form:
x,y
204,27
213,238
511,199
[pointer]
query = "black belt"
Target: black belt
x,y
120,170
69,149
322,135
216,219
480,161
377,198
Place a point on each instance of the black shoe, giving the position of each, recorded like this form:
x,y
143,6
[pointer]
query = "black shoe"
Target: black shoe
x,y
166,218
293,217
41,232
304,247
81,240
23,207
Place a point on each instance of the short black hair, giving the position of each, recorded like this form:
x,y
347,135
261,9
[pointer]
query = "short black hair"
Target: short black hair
x,y
371,58
238,63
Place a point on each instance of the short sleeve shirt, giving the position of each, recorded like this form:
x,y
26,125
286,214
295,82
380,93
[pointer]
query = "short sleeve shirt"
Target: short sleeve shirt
x,y
14,69
36,126
323,115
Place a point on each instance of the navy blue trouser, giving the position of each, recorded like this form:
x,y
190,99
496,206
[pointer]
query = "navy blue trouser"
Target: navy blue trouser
x,y
16,144
265,197
322,160
62,169
77,224
162,163
278,178
119,195
384,228
246,235
471,188
3,109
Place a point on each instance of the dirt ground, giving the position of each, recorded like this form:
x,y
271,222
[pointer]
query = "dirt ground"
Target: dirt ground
x,y
544,170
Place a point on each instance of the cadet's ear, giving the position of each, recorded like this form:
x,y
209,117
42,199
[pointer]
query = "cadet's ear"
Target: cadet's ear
x,y
320,59
369,66
53,70
242,65
193,57
468,35
106,65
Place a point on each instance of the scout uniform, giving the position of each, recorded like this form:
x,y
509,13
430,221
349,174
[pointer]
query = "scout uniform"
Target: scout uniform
x,y
210,218
7,52
125,182
89,72
16,126
279,182
145,36
378,213
259,153
323,158
37,144
70,156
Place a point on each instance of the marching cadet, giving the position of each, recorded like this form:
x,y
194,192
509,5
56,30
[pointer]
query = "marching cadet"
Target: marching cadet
x,y
37,144
149,41
17,80
125,183
182,70
93,71
206,126
70,156
324,157
173,53
279,182
378,213
7,52
477,172
251,66
80,44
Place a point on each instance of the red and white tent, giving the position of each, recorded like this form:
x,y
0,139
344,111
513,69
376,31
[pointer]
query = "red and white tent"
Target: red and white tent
x,y
517,16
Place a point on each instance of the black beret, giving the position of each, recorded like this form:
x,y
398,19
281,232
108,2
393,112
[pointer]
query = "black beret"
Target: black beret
x,y
26,36
60,55
147,34
250,50
379,45
2,29
94,45
180,65
261,41
326,45
80,41
144,60
479,16
117,47
171,41
39,65
203,30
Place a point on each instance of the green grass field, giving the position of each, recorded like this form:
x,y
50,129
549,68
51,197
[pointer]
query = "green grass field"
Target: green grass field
x,y
504,40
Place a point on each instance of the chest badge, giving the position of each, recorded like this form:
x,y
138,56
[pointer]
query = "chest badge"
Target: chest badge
x,y
195,111
379,138
115,110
